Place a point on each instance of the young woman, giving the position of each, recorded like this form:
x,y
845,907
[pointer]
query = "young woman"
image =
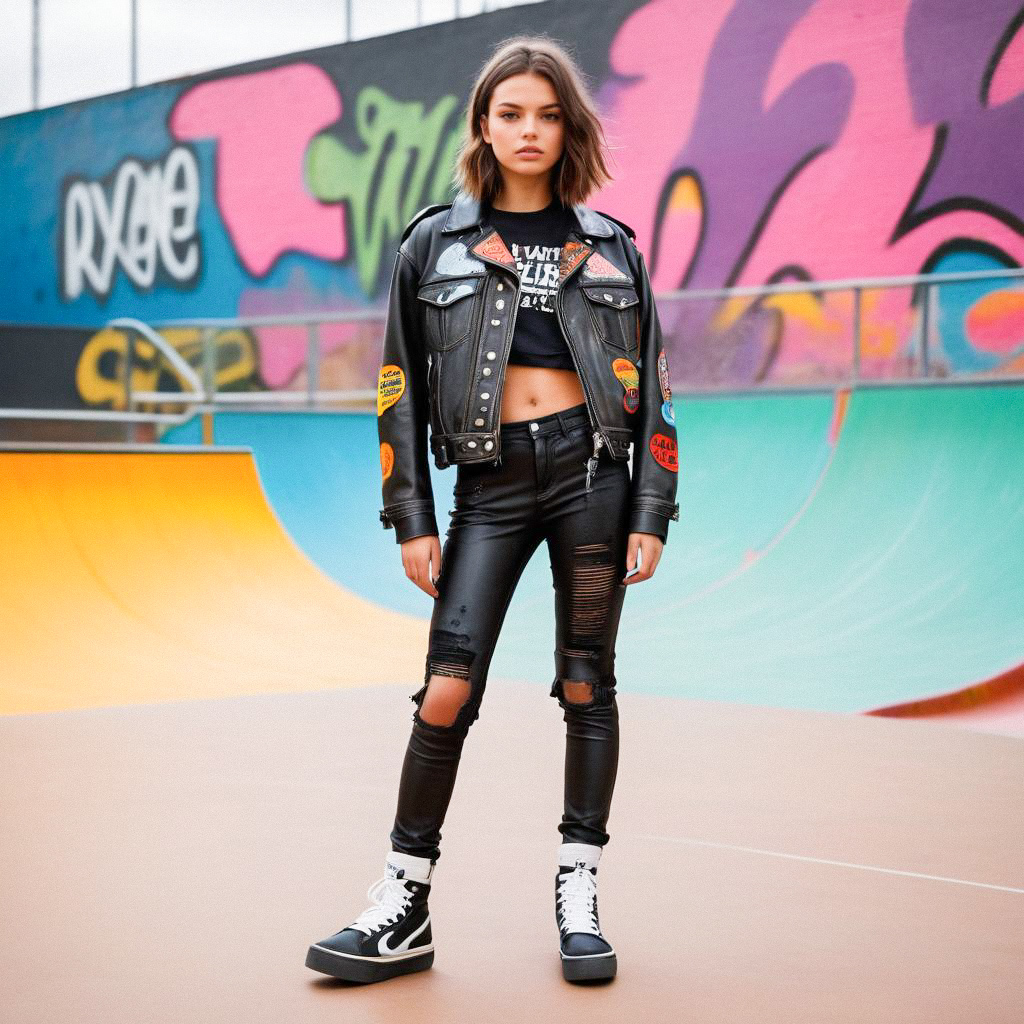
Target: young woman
x,y
521,326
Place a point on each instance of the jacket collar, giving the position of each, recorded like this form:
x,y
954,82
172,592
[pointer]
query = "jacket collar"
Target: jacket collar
x,y
466,212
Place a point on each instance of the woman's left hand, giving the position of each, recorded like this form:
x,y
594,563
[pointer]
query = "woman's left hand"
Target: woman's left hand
x,y
649,546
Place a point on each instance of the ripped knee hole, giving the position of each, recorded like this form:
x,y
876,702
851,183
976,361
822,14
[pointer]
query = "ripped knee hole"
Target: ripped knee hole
x,y
578,692
443,698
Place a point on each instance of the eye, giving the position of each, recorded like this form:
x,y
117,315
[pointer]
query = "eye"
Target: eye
x,y
554,117
509,113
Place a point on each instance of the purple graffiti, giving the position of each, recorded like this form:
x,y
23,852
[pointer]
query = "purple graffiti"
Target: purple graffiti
x,y
744,155
950,94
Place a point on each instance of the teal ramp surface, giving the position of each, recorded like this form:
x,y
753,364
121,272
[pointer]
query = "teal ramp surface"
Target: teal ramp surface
x,y
828,556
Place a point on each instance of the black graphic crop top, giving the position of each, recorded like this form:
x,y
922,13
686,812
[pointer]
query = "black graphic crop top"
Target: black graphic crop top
x,y
535,240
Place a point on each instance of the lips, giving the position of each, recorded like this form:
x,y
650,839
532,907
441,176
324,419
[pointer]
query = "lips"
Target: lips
x,y
529,149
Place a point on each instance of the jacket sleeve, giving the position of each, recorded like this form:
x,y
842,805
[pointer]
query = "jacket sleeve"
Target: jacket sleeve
x,y
402,412
655,451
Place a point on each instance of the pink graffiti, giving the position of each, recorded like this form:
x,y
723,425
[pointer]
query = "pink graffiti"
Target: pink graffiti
x,y
1008,80
835,215
995,323
872,170
284,350
262,124
649,51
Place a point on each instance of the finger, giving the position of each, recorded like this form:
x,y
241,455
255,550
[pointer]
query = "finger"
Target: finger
x,y
647,546
648,560
654,559
435,561
412,570
632,547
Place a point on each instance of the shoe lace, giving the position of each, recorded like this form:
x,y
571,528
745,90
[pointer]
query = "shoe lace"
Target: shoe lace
x,y
390,898
577,894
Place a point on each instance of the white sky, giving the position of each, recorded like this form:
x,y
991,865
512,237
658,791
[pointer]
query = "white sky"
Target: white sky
x,y
85,44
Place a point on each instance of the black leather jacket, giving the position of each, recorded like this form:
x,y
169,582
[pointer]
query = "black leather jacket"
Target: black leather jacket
x,y
450,317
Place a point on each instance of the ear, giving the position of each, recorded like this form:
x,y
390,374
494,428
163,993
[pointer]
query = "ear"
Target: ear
x,y
483,128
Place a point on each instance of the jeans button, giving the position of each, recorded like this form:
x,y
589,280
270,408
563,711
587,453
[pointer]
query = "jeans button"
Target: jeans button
x,y
533,426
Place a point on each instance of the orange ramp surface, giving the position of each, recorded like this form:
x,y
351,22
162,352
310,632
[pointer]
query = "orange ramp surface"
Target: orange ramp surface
x,y
133,576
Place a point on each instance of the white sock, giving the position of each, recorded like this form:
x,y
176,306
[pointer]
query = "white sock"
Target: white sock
x,y
418,868
570,853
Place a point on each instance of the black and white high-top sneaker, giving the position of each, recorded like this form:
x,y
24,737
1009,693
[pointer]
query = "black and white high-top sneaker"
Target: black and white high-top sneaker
x,y
586,954
390,937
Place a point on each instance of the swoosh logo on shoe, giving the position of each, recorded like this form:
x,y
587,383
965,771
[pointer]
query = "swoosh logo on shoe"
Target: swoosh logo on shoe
x,y
385,949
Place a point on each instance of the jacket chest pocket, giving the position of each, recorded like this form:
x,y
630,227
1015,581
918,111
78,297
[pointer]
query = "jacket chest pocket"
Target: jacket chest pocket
x,y
450,310
614,309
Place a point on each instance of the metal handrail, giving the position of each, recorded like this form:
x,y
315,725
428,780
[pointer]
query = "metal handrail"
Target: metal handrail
x,y
164,347
367,313
203,396
839,285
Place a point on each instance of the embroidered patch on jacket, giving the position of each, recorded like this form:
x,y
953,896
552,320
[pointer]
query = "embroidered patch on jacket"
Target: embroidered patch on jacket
x,y
390,386
493,248
456,293
663,448
668,413
598,266
455,260
387,460
627,373
572,254
629,378
666,391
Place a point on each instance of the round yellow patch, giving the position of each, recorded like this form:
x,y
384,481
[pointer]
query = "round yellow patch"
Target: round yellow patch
x,y
390,386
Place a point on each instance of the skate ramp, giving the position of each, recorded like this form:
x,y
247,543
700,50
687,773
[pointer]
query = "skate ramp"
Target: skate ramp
x,y
841,552
337,481
141,576
994,705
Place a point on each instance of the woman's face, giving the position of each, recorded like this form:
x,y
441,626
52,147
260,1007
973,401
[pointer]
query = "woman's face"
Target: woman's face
x,y
524,125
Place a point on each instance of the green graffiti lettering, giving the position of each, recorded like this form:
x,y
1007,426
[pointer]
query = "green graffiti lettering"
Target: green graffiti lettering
x,y
406,164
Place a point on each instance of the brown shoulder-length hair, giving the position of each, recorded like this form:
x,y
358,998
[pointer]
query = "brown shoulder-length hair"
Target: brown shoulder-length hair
x,y
581,169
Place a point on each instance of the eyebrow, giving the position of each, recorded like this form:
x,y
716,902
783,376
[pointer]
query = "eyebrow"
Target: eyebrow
x,y
505,103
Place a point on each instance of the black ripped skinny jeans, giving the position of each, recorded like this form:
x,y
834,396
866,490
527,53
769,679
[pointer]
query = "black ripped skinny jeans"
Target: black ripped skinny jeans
x,y
501,515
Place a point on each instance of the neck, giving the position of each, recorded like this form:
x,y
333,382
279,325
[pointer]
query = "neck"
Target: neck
x,y
523,193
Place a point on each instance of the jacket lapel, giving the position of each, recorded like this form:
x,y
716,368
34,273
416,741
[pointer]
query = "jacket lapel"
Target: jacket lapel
x,y
574,253
491,248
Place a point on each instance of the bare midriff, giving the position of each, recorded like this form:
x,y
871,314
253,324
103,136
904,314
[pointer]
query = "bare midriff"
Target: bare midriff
x,y
532,391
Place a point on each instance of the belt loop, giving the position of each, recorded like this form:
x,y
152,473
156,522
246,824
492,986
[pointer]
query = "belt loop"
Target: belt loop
x,y
562,417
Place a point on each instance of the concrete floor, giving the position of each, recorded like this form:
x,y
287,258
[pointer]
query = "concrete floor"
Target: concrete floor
x,y
172,862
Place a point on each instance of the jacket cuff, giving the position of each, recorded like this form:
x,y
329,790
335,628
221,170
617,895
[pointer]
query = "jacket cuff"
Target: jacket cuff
x,y
651,517
410,523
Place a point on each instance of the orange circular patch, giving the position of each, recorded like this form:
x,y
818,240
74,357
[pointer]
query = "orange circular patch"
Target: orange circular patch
x,y
663,448
387,460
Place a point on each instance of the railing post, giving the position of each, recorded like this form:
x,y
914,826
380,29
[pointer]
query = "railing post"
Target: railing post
x,y
126,369
926,321
209,383
856,332
312,363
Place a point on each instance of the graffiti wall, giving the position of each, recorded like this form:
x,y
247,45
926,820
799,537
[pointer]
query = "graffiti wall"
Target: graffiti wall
x,y
754,142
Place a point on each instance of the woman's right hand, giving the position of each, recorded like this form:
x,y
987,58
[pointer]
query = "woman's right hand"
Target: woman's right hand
x,y
418,555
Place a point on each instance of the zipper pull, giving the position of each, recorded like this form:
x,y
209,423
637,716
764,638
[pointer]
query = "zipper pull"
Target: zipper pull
x,y
592,461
